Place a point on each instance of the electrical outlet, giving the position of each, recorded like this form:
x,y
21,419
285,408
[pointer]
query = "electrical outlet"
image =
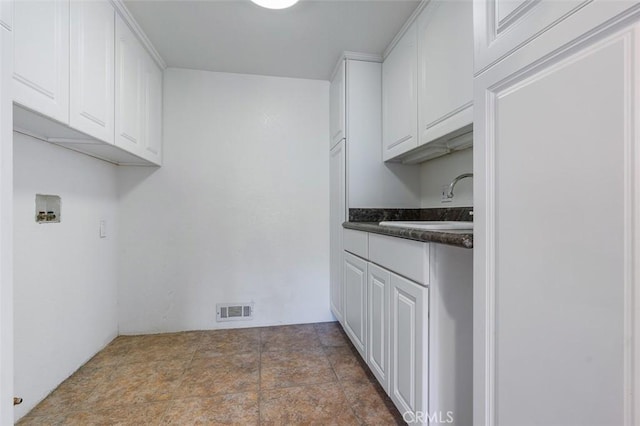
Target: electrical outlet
x,y
444,190
103,229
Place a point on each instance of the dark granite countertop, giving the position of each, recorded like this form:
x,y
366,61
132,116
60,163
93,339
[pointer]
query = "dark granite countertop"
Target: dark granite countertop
x,y
459,238
366,220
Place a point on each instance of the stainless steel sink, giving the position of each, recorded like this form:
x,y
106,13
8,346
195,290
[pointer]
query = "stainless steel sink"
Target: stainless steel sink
x,y
431,225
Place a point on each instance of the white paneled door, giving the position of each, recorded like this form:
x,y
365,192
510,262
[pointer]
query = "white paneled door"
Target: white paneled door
x,y
337,106
503,26
445,66
336,218
41,57
355,301
129,93
557,202
92,94
400,97
378,282
152,110
409,348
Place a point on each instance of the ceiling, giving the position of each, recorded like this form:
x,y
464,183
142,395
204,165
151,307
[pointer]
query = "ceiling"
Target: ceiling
x,y
237,36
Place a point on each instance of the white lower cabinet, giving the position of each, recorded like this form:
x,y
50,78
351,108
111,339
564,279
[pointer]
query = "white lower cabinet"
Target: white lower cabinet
x,y
415,337
409,348
378,283
355,301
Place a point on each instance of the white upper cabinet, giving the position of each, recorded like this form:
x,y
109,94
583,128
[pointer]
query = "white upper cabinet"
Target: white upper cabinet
x,y
337,106
138,97
41,57
83,79
6,14
152,111
503,26
428,85
445,63
92,68
400,97
129,92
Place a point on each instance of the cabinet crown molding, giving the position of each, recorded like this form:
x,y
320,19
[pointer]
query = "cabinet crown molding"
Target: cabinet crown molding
x,y
133,24
355,56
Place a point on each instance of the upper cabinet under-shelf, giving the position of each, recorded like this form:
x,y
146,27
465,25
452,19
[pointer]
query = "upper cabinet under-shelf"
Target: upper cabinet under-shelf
x,y
428,85
83,80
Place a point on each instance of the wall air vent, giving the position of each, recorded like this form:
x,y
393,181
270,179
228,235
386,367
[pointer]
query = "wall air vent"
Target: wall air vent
x,y
234,311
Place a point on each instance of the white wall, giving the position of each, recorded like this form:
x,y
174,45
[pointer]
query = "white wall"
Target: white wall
x,y
65,297
441,171
6,228
238,211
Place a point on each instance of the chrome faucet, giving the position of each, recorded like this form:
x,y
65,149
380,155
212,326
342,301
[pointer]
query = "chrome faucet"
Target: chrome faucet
x,y
455,181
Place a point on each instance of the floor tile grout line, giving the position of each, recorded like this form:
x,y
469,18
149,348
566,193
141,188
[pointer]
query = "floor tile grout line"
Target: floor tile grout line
x,y
339,384
355,414
302,385
170,401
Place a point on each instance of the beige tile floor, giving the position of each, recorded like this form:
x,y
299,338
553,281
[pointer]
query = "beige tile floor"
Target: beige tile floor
x,y
297,374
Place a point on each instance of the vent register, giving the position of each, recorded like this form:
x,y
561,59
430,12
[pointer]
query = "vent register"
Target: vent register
x,y
234,311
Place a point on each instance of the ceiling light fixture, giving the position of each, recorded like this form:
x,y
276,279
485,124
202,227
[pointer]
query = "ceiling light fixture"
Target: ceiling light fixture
x,y
275,4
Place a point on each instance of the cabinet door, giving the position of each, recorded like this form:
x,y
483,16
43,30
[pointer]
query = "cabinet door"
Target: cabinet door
x,y
129,95
378,282
503,26
400,97
409,348
337,106
560,285
355,301
336,218
41,57
92,94
152,111
445,64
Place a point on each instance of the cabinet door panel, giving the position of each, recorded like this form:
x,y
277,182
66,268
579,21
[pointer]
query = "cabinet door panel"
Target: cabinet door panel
x,y
503,26
400,97
337,217
92,68
409,346
152,116
337,106
445,41
41,57
129,95
378,323
565,290
355,301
